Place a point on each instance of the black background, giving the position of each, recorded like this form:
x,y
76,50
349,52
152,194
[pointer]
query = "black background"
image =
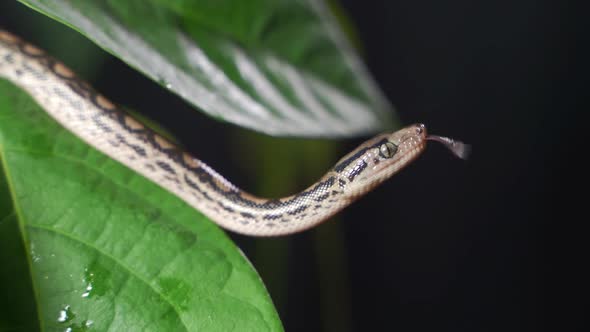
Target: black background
x,y
492,244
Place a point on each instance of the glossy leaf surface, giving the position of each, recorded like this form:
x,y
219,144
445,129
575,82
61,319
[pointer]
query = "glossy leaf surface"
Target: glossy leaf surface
x,y
106,248
275,66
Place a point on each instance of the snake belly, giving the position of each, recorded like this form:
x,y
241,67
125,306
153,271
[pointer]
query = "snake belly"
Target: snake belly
x,y
106,127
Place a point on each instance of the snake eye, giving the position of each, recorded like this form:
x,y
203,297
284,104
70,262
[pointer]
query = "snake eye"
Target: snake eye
x,y
387,150
420,129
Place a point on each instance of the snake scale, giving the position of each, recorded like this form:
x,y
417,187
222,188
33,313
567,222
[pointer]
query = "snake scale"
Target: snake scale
x,y
106,127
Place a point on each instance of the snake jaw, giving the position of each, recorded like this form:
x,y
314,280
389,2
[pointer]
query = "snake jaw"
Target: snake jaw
x,y
371,167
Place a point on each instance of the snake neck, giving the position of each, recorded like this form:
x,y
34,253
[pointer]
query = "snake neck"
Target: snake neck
x,y
276,216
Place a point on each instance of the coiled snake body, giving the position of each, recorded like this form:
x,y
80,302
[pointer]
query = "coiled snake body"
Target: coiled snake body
x,y
100,123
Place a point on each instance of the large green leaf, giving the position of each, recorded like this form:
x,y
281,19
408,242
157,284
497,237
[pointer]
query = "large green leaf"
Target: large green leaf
x,y
106,248
282,67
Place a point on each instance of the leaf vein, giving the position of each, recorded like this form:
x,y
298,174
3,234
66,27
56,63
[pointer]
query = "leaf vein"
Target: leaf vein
x,y
115,260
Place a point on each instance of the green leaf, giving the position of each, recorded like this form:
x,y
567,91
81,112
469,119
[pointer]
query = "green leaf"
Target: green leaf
x,y
282,67
99,247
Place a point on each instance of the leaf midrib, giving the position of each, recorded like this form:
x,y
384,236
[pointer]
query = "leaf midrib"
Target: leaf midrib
x,y
20,220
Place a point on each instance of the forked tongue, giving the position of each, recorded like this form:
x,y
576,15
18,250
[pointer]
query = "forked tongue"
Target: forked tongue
x,y
458,148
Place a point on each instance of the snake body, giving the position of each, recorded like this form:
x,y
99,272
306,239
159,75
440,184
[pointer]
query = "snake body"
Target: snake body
x,y
104,126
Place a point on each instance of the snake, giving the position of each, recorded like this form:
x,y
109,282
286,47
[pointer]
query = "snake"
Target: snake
x,y
76,106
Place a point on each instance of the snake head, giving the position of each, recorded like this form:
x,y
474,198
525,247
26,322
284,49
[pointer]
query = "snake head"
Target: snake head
x,y
379,158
